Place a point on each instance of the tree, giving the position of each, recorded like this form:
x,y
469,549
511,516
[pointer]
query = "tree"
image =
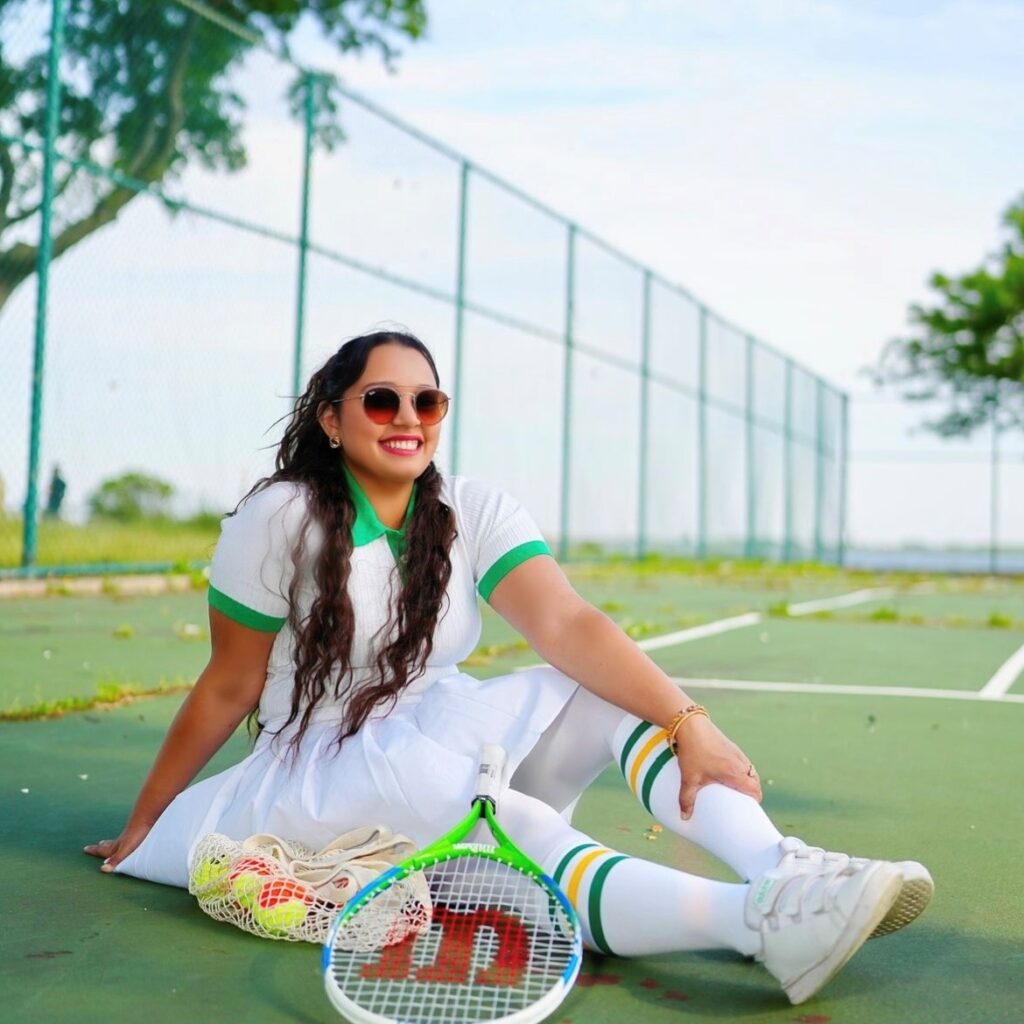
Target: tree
x,y
130,497
147,91
968,349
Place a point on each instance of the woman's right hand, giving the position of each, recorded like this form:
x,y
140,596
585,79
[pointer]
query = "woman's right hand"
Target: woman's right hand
x,y
113,851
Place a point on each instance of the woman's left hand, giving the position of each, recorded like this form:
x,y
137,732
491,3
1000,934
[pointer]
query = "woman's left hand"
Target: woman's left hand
x,y
707,755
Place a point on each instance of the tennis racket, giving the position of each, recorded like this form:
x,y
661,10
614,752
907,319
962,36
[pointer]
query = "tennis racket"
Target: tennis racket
x,y
461,932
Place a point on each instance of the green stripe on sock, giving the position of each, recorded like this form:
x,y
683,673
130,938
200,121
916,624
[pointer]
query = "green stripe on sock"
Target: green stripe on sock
x,y
594,904
564,863
645,791
627,749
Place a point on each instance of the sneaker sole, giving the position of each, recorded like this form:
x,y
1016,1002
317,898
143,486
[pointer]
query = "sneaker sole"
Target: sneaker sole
x,y
914,896
875,902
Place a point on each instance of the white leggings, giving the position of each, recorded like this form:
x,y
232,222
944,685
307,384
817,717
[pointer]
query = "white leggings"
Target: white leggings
x,y
629,906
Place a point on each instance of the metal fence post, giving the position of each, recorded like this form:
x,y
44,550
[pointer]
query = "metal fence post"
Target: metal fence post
x,y
44,255
993,535
570,302
460,309
300,290
787,466
750,548
819,468
702,436
844,469
645,398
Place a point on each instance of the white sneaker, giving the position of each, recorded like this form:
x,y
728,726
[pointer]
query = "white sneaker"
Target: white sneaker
x,y
915,894
812,922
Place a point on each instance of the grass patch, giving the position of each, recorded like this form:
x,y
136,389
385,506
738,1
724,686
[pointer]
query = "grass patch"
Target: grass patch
x,y
996,620
638,630
108,542
109,694
486,653
884,614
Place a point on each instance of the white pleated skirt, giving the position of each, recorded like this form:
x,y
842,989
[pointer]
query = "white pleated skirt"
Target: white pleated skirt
x,y
413,770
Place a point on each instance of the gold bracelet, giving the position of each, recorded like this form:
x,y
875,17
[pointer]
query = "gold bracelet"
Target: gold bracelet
x,y
682,716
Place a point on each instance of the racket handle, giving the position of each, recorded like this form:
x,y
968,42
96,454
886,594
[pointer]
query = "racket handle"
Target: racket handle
x,y
489,775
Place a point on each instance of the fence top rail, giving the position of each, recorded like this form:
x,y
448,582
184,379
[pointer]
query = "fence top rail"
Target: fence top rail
x,y
256,39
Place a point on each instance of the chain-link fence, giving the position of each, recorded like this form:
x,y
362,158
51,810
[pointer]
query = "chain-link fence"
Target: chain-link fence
x,y
146,358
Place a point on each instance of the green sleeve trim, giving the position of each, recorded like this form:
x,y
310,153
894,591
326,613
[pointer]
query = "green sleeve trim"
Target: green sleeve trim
x,y
243,615
504,565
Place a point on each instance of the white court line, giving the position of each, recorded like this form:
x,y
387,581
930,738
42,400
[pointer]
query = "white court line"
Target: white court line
x,y
697,632
685,636
856,691
842,601
1005,677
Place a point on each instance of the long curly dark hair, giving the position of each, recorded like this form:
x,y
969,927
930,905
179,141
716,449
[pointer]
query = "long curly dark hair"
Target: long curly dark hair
x,y
323,639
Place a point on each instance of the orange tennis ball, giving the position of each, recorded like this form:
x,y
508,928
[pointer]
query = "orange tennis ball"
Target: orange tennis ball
x,y
281,906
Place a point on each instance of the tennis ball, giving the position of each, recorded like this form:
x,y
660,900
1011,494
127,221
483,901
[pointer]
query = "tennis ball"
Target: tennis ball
x,y
246,880
210,877
281,906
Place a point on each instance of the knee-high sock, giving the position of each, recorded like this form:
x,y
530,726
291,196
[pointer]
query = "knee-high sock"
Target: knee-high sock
x,y
590,732
628,906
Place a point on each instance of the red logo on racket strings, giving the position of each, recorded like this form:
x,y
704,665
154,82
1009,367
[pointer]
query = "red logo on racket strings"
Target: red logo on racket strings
x,y
452,962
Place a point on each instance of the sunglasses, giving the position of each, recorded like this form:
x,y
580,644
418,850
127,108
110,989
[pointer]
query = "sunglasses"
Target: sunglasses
x,y
381,404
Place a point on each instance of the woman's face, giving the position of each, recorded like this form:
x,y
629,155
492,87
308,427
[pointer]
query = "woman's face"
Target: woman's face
x,y
369,447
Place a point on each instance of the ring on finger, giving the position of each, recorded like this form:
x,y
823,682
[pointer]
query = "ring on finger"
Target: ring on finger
x,y
751,771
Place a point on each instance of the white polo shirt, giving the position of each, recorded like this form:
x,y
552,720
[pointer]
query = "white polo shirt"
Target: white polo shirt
x,y
253,568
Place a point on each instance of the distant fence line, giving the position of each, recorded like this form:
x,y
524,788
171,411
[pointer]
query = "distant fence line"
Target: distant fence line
x,y
675,430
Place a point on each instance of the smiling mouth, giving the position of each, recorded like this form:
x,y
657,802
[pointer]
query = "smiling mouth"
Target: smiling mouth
x,y
402,447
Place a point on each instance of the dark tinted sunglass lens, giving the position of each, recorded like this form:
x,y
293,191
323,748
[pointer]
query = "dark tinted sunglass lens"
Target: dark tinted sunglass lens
x,y
381,404
431,406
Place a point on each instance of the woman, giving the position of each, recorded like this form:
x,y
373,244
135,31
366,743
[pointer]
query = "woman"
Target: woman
x,y
342,597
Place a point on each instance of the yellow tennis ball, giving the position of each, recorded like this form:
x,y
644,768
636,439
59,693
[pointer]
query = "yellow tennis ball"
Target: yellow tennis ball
x,y
281,906
246,880
210,877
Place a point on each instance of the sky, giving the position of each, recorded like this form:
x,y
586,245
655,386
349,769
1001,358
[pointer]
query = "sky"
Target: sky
x,y
801,167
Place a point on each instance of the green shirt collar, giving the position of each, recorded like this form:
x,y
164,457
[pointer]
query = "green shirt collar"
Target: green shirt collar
x,y
367,526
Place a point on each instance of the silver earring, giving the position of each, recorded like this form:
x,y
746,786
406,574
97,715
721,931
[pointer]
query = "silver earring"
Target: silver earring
x,y
335,441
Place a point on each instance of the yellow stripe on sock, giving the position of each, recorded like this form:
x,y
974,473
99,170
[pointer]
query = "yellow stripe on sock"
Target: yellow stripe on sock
x,y
580,870
659,737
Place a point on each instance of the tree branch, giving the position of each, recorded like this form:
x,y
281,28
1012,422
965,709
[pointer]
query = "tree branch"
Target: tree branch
x,y
149,165
6,184
16,264
59,190
105,211
19,262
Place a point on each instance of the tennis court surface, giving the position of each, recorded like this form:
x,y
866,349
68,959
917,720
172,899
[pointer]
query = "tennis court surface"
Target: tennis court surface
x,y
885,715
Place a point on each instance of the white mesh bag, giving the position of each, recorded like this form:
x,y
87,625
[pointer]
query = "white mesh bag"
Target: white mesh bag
x,y
281,889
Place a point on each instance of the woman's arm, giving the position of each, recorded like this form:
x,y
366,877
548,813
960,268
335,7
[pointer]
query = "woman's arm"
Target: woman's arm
x,y
225,692
569,633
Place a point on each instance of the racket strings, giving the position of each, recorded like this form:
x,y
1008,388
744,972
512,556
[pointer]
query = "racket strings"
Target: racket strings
x,y
493,941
